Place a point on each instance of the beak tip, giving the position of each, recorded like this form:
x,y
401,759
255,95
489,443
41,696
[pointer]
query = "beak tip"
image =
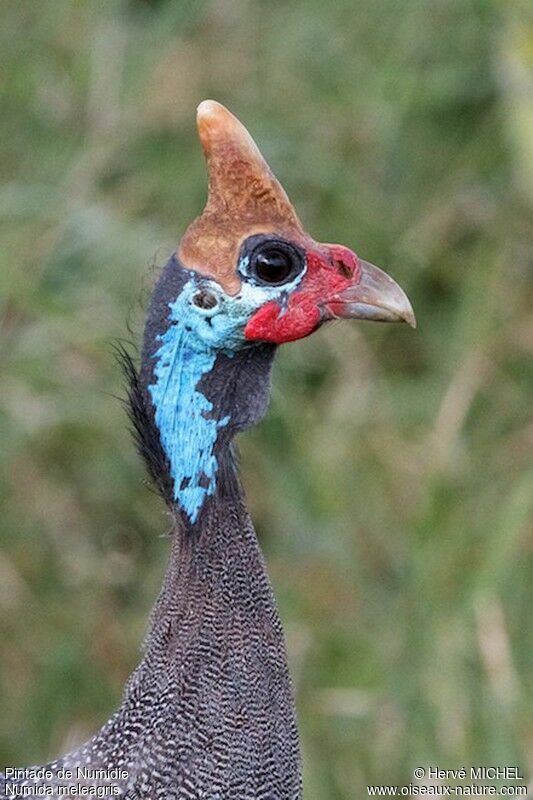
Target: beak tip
x,y
376,296
390,296
410,318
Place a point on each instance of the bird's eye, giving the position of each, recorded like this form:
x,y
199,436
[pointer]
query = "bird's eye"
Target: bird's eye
x,y
273,266
275,263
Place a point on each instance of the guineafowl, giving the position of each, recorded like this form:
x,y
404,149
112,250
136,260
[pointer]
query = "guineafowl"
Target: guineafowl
x,y
209,712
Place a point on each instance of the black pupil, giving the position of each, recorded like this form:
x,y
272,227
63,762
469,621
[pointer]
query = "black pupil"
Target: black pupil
x,y
273,266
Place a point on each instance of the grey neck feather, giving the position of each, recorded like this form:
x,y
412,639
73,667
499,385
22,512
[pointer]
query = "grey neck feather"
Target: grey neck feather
x,y
209,712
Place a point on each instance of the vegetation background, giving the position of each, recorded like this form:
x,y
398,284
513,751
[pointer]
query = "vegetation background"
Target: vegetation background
x,y
392,481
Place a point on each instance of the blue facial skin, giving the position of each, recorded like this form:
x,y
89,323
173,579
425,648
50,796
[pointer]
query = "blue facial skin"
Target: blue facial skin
x,y
188,350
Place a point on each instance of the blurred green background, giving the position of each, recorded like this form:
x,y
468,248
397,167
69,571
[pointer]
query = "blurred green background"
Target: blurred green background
x,y
392,482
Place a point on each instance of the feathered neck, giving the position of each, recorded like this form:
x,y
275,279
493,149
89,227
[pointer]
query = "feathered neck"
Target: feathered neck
x,y
209,711
211,702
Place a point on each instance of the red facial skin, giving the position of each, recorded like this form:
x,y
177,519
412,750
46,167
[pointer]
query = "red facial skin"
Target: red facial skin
x,y
328,273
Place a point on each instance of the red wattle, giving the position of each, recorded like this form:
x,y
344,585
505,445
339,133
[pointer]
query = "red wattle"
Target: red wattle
x,y
270,324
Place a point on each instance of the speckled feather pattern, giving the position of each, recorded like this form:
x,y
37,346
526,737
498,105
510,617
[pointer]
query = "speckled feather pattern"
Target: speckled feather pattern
x,y
209,711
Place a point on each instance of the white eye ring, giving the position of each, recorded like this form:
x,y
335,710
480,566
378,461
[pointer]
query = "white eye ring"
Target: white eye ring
x,y
206,302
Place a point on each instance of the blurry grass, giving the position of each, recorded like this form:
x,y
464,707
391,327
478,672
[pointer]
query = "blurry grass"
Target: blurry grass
x,y
392,481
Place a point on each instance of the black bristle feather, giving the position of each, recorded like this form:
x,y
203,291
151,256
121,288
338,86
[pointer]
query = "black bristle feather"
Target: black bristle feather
x,y
143,428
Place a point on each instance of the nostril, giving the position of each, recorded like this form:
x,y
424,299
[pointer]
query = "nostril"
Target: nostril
x,y
344,269
345,261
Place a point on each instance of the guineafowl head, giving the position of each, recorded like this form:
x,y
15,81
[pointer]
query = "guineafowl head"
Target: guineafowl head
x,y
245,278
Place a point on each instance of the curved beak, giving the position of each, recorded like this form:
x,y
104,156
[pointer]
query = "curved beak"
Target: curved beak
x,y
374,297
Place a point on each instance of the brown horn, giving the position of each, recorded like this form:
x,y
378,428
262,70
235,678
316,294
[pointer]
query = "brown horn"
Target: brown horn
x,y
244,198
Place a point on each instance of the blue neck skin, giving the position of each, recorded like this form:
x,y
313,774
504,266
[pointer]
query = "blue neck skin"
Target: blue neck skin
x,y
193,464
187,424
201,360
